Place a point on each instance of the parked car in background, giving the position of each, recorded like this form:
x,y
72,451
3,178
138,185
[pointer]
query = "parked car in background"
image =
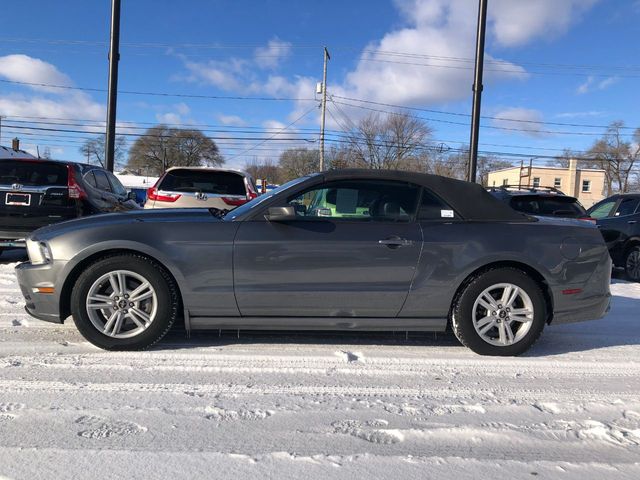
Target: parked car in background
x,y
338,250
618,218
35,193
201,187
540,201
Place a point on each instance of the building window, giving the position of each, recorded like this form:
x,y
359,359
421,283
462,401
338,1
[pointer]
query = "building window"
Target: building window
x,y
557,182
505,181
586,186
536,182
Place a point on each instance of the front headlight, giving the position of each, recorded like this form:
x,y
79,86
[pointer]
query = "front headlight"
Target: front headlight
x,y
39,252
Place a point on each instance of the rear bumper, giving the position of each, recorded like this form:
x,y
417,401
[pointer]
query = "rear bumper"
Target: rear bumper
x,y
592,300
43,306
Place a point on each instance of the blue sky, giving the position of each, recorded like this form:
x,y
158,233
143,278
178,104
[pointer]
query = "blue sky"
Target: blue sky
x,y
553,61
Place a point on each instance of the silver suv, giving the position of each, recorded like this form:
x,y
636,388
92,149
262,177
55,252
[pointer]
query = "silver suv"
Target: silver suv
x,y
201,187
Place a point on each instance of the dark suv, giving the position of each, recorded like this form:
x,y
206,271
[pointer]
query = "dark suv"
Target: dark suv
x,y
540,201
618,218
35,193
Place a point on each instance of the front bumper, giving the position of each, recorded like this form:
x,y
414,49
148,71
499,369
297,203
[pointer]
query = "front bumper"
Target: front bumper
x,y
43,306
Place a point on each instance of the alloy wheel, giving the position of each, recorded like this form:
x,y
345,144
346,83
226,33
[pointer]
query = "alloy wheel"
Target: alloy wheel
x,y
633,264
121,304
503,314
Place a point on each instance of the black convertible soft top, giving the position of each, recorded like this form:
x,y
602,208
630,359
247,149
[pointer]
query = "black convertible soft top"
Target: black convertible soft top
x,y
470,200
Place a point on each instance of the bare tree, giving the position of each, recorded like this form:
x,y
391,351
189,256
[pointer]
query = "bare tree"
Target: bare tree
x,y
265,170
616,156
297,162
162,147
391,141
93,150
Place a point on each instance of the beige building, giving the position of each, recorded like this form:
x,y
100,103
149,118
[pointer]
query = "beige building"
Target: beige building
x,y
586,184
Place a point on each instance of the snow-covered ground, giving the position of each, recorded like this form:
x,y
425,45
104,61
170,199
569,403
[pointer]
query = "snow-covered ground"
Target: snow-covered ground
x,y
319,407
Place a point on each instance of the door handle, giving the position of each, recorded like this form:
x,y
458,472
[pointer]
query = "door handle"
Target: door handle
x,y
632,222
395,242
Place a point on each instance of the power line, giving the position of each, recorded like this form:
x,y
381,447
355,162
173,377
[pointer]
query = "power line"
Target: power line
x,y
277,133
494,127
157,94
443,112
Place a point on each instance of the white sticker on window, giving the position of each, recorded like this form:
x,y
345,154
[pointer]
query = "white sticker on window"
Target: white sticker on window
x,y
446,213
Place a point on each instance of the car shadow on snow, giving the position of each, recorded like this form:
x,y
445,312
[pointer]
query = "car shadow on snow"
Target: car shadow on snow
x,y
619,328
212,338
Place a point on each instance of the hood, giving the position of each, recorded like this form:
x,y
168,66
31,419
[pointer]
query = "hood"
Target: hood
x,y
177,215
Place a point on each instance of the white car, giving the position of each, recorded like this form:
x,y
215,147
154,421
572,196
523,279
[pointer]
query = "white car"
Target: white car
x,y
201,187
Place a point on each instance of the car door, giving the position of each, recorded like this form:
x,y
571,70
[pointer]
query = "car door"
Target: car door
x,y
120,194
108,198
617,228
351,251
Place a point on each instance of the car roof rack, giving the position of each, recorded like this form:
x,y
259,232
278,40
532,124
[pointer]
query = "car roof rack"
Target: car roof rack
x,y
524,188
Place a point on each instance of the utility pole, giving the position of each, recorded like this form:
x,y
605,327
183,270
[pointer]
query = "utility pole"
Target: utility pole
x,y
477,90
324,106
114,58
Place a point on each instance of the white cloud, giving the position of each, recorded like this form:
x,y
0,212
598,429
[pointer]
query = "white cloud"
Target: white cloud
x,y
231,120
522,119
37,101
516,22
273,54
591,84
590,113
173,114
440,38
22,68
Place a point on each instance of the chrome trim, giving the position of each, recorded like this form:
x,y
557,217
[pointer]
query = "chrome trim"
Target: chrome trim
x,y
29,188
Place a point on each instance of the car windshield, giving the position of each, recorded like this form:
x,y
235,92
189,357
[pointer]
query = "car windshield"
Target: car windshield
x,y
241,210
205,181
33,173
548,206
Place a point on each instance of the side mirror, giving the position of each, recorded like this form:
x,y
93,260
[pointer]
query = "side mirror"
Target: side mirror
x,y
281,214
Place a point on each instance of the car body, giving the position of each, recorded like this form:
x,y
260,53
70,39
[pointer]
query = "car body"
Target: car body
x,y
540,201
618,218
201,187
35,193
385,251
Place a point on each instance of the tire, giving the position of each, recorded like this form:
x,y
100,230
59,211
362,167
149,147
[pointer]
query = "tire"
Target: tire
x,y
136,322
495,323
632,263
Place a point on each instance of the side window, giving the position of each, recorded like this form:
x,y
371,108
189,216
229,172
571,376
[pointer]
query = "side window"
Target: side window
x,y
359,200
627,207
102,181
602,210
116,185
90,179
432,208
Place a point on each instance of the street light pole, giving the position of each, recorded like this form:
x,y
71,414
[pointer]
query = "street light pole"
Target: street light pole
x,y
477,90
114,58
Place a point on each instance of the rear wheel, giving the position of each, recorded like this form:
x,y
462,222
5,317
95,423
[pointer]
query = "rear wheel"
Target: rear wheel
x,y
499,312
632,263
124,302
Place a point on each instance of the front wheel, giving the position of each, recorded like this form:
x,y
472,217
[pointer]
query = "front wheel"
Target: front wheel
x,y
499,312
632,263
124,302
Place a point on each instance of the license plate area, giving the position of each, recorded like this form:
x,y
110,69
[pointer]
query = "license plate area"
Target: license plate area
x,y
22,199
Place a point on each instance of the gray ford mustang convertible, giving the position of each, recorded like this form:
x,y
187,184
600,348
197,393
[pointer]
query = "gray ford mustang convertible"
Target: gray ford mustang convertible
x,y
341,250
